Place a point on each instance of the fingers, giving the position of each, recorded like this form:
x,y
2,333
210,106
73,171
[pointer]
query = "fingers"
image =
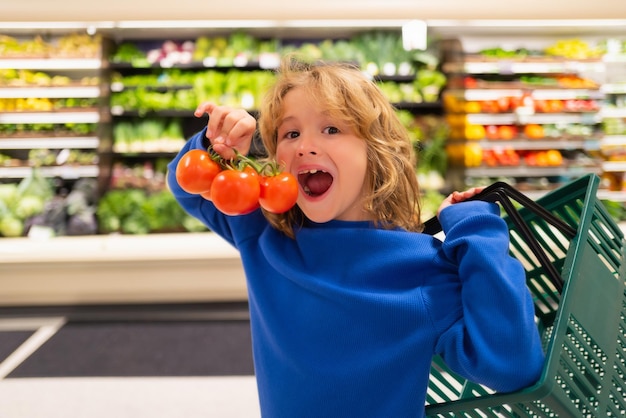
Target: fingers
x,y
228,128
456,197
204,107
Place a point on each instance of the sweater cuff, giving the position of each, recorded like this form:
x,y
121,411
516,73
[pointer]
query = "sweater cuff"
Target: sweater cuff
x,y
457,212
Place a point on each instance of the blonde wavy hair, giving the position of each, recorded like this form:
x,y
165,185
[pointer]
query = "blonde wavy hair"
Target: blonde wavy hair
x,y
348,95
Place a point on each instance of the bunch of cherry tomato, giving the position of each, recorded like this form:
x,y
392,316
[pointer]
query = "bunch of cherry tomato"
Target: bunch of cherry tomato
x,y
238,186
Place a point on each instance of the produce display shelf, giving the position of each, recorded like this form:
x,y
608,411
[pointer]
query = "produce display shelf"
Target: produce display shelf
x,y
50,92
614,166
53,142
109,269
613,196
537,93
50,117
115,247
513,66
51,63
535,118
613,112
64,172
613,140
566,94
614,88
528,171
539,144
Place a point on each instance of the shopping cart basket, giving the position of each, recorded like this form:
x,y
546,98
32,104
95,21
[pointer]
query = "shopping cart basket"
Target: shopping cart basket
x,y
573,253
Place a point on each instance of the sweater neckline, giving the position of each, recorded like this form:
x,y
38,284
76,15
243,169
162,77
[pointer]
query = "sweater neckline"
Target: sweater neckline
x,y
339,224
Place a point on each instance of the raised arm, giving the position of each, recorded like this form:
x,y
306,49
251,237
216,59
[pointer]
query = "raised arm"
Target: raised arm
x,y
494,339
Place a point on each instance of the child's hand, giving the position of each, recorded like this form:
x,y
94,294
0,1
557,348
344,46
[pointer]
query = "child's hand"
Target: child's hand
x,y
456,197
228,129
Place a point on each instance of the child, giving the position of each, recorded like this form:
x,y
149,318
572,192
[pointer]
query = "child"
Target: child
x,y
348,300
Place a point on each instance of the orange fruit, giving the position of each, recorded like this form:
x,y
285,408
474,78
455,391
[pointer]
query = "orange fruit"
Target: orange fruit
x,y
534,131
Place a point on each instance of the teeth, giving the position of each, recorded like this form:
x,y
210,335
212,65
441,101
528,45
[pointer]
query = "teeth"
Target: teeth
x,y
312,171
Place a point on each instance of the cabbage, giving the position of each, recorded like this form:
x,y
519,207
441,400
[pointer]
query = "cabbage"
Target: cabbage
x,y
8,193
35,185
10,226
29,206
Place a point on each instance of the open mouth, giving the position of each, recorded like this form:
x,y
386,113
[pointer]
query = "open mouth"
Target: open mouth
x,y
315,182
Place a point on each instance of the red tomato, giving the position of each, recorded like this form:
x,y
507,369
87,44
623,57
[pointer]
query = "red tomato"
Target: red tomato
x,y
236,192
491,132
504,104
278,193
195,171
206,195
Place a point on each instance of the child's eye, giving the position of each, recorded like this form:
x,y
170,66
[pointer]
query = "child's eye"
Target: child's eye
x,y
331,130
291,134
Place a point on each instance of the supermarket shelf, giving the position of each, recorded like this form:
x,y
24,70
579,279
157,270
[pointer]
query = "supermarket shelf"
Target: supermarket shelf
x,y
65,172
566,94
163,268
613,140
87,142
525,67
537,93
614,166
50,117
109,269
602,195
51,63
613,196
542,144
50,92
615,88
613,112
528,171
538,118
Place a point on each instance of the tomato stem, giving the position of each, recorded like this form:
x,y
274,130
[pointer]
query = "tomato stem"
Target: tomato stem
x,y
241,161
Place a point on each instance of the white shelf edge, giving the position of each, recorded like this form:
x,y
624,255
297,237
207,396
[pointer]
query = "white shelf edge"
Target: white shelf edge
x,y
50,92
87,142
51,63
66,172
50,117
614,166
613,140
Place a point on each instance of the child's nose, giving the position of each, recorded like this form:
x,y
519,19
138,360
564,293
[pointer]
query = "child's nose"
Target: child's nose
x,y
307,145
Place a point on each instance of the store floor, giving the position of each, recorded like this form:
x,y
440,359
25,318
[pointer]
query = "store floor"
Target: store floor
x,y
127,361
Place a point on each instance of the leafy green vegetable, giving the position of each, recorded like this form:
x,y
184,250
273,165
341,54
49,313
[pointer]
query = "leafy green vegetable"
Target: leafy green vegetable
x,y
10,226
135,211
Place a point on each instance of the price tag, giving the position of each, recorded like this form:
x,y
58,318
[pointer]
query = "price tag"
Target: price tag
x,y
117,86
269,60
40,232
247,101
209,62
240,61
506,67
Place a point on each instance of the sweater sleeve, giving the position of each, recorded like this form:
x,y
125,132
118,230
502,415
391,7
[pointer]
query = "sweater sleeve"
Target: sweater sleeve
x,y
494,340
233,229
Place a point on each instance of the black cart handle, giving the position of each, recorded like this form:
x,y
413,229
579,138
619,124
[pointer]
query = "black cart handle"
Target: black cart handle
x,y
503,193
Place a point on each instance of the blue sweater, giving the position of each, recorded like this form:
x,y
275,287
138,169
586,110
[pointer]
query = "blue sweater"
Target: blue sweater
x,y
345,318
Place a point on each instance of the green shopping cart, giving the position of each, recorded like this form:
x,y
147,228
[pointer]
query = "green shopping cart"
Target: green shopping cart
x,y
573,253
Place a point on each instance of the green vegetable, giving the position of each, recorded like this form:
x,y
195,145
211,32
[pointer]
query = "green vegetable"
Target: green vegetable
x,y
429,83
10,226
134,211
28,206
8,194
